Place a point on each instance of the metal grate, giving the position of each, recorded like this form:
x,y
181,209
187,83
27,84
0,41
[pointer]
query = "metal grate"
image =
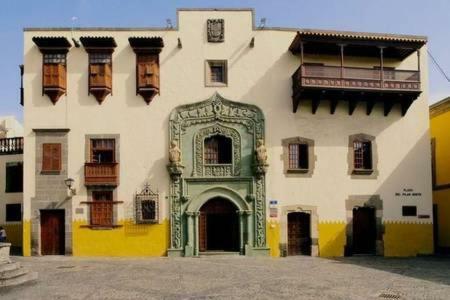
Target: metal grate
x,y
389,295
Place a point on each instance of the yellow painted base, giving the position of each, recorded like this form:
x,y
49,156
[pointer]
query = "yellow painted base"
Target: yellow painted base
x,y
26,238
14,234
407,239
332,239
128,240
273,238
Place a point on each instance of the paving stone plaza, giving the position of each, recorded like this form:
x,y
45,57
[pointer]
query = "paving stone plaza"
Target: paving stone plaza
x,y
234,277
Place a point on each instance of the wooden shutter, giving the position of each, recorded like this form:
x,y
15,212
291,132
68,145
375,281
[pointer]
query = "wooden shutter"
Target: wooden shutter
x,y
102,208
51,157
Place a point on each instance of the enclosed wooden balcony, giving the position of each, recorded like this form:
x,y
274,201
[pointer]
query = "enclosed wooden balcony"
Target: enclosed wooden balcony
x,y
375,83
101,174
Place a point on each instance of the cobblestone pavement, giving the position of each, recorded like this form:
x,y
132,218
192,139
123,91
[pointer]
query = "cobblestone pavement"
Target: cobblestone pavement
x,y
234,277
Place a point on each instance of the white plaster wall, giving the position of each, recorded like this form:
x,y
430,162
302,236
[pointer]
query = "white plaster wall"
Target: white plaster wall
x,y
260,76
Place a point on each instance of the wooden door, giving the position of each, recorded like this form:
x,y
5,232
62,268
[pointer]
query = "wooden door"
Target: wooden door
x,y
299,233
52,232
364,230
218,226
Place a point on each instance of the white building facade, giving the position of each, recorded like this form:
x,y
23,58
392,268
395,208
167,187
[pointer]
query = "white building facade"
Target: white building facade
x,y
218,135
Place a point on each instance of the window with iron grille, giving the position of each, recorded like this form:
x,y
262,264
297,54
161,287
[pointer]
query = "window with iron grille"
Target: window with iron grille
x,y
362,155
147,206
103,150
298,156
55,58
102,213
218,150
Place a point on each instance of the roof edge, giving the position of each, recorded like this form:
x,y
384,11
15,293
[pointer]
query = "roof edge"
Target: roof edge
x,y
440,107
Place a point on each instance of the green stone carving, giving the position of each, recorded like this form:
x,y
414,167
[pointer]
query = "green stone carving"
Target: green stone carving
x,y
194,182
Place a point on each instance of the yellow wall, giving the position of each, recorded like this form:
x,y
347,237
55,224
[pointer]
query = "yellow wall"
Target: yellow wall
x,y
26,245
128,240
439,127
407,239
14,234
273,238
332,239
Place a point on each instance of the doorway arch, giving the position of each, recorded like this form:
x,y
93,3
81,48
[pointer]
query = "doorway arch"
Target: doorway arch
x,y
219,226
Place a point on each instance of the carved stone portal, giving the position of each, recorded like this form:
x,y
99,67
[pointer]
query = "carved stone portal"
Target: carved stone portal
x,y
216,30
194,183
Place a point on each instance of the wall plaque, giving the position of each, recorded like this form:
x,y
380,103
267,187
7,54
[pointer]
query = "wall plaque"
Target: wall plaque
x,y
216,30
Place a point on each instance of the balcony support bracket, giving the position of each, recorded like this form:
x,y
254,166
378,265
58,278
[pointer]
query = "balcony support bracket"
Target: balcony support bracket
x,y
352,106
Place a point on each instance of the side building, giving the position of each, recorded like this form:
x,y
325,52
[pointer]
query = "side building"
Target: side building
x,y
11,180
440,146
218,135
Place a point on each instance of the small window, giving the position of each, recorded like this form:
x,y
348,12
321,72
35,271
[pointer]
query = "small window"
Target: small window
x,y
218,150
298,156
102,208
103,151
51,157
216,73
409,211
362,155
14,178
13,212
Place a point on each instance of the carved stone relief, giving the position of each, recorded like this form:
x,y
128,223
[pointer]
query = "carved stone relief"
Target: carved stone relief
x,y
216,30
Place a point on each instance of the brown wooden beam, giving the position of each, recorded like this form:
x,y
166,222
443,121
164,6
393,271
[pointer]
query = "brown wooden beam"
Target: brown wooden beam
x,y
352,106
369,106
388,104
295,103
333,105
315,105
406,104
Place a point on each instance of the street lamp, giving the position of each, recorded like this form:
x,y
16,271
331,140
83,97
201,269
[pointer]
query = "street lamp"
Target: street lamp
x,y
69,183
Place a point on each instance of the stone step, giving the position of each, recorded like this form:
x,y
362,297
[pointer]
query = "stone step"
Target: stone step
x,y
9,266
13,273
26,278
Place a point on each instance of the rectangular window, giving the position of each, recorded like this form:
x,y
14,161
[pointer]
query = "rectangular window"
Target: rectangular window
x,y
362,155
51,157
103,151
298,156
409,211
102,208
216,73
13,212
14,177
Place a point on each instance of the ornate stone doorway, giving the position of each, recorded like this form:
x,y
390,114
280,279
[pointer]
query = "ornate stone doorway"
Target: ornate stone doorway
x,y
217,151
219,226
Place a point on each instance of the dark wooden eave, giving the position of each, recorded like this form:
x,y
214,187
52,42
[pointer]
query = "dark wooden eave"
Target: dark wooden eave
x,y
146,44
52,44
98,43
327,42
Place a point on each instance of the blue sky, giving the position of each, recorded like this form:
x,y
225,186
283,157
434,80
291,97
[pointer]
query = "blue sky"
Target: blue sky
x,y
431,18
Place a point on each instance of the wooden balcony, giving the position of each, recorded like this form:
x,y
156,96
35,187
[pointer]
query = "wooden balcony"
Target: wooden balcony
x,y
9,146
101,174
370,85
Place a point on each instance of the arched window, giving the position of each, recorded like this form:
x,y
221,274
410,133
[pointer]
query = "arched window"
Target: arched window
x,y
218,150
